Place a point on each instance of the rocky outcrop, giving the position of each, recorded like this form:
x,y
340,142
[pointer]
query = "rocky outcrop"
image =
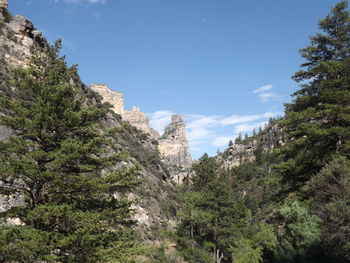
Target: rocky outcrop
x,y
114,98
140,121
135,117
267,140
17,36
239,153
173,144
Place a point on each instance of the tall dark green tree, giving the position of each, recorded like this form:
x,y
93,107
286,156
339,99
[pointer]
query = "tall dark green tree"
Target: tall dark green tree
x,y
317,122
58,161
215,224
330,194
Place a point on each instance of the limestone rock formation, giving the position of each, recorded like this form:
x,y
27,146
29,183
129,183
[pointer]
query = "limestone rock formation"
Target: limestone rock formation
x,y
173,144
17,36
136,118
140,121
115,98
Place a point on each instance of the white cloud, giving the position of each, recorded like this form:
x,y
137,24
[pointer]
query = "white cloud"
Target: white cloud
x,y
265,97
223,140
246,127
199,135
235,119
203,121
263,88
159,119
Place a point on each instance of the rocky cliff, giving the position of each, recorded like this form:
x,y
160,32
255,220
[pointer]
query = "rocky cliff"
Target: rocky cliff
x,y
173,144
271,137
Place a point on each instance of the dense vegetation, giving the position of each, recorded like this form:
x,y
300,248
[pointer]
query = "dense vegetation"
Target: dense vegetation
x,y
290,204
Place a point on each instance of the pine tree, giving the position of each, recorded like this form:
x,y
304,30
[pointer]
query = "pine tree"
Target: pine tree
x,y
330,193
57,160
317,122
239,139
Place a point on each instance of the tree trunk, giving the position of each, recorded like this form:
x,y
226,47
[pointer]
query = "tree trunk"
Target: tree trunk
x,y
217,256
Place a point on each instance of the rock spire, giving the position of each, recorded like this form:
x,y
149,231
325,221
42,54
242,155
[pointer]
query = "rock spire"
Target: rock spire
x,y
173,144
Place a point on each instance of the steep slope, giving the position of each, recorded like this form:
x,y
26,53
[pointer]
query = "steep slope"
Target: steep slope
x,y
152,211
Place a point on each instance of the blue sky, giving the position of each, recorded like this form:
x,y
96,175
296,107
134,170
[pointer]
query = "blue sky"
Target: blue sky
x,y
224,64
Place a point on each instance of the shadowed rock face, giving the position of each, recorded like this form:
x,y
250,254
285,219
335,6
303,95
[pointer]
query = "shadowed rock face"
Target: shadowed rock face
x,y
173,144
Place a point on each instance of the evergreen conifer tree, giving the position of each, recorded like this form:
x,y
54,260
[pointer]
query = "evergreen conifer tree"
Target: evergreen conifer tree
x,y
317,122
57,160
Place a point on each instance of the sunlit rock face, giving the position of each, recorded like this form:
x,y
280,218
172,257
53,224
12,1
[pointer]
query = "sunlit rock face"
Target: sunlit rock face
x,y
114,98
138,119
173,144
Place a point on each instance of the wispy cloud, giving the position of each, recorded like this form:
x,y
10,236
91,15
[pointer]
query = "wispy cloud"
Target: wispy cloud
x,y
262,89
235,119
265,97
248,127
265,94
223,140
159,119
